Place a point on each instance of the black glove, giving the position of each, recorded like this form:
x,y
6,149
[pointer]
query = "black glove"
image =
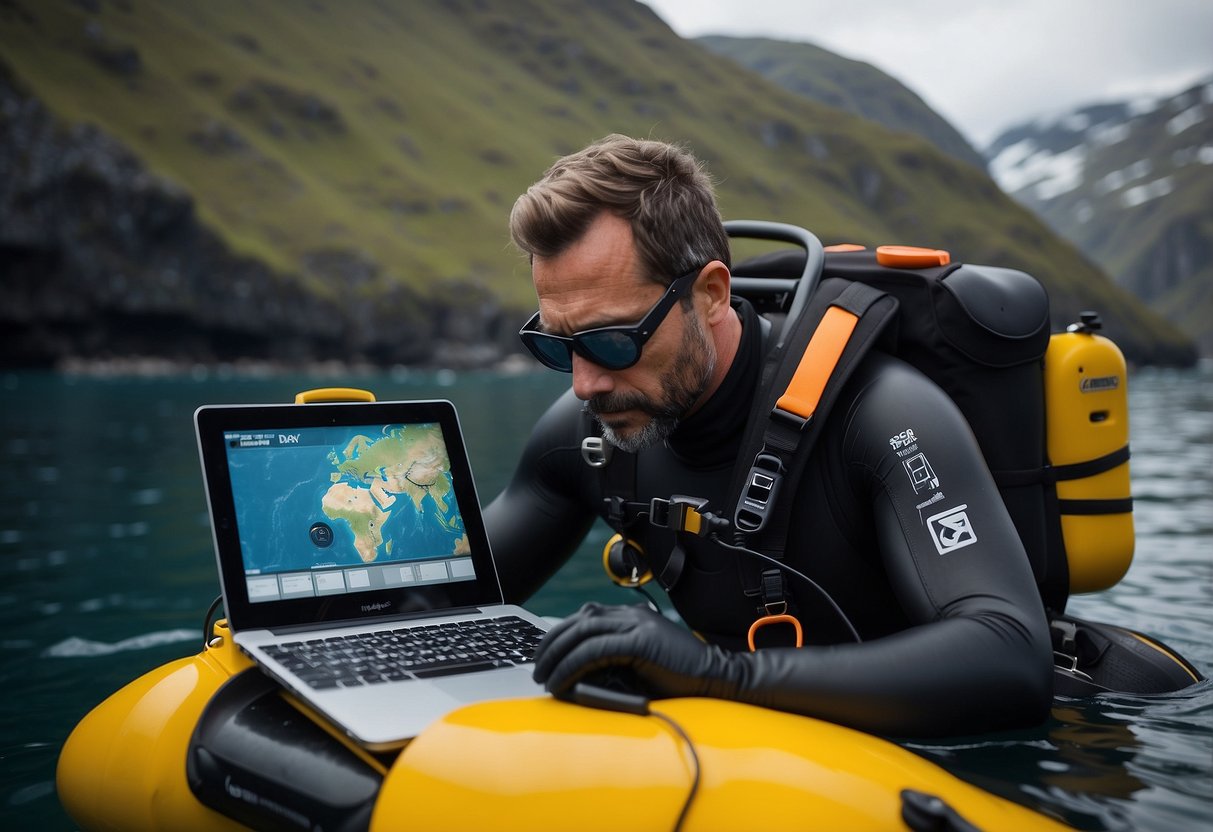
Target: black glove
x,y
664,658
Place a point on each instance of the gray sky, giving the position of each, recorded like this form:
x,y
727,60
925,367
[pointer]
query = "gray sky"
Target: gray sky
x,y
984,64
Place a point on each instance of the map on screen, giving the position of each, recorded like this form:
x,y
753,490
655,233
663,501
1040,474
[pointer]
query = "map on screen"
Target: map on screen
x,y
312,498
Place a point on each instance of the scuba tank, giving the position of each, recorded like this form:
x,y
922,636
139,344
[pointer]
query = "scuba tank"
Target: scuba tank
x,y
1087,423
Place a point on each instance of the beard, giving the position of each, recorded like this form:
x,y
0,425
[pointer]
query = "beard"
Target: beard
x,y
681,387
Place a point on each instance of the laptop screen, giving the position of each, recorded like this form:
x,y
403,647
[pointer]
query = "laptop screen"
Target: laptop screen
x,y
342,511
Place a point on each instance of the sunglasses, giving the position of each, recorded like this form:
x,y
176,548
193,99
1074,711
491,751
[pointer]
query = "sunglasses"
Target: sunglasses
x,y
610,347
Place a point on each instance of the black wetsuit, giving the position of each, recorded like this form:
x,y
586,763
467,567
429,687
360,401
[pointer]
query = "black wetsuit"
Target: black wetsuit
x,y
896,517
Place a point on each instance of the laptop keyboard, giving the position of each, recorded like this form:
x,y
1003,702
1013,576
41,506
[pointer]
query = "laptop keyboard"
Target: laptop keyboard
x,y
410,652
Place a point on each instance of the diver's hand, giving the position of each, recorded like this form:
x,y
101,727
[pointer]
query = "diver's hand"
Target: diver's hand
x,y
666,659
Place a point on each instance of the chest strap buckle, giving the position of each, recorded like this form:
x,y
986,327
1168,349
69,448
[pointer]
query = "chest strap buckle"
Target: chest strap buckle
x,y
680,514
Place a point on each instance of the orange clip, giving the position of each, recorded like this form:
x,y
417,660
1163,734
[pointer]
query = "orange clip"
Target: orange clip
x,y
911,257
782,618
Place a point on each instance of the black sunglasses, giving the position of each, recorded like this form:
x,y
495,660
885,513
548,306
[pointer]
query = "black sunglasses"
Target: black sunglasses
x,y
610,347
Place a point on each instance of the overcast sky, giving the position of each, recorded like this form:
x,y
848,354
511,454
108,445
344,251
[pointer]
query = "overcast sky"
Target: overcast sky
x,y
984,64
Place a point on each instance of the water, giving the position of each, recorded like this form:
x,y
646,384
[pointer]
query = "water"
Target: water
x,y
106,570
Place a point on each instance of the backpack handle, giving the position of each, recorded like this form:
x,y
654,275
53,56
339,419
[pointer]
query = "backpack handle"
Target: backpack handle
x,y
802,287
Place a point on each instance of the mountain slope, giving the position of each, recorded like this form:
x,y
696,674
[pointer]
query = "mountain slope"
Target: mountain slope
x,y
358,160
854,86
1132,185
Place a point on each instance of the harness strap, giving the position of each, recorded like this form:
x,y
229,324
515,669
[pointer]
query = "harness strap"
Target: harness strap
x,y
801,381
835,346
1091,467
1051,474
817,363
618,475
1088,507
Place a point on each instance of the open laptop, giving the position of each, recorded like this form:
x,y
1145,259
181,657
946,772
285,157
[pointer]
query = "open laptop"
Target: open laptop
x,y
332,521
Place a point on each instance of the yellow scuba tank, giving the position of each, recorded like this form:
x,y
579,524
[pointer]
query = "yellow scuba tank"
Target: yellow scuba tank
x,y
1087,428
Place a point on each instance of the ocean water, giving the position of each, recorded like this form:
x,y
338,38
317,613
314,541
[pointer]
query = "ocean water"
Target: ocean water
x,y
106,570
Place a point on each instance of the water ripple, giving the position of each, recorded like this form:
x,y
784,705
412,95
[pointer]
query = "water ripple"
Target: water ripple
x,y
76,648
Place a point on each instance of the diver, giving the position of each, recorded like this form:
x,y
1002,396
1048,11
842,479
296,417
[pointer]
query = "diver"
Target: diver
x,y
896,518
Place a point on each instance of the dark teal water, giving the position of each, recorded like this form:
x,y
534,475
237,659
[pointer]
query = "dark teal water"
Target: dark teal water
x,y
106,570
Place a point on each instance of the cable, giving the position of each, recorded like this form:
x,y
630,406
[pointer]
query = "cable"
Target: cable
x,y
695,769
595,696
838,610
649,598
206,621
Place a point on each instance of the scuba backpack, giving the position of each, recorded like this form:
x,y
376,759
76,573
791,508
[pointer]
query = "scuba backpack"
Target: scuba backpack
x,y
1049,411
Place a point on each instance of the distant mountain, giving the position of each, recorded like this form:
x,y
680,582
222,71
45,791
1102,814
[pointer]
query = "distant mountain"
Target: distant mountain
x,y
854,86
1131,184
332,180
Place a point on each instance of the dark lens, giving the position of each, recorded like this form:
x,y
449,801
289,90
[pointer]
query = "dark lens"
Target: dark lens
x,y
612,350
551,351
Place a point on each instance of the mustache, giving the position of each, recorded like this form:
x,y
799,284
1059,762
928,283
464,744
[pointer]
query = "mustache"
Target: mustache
x,y
616,402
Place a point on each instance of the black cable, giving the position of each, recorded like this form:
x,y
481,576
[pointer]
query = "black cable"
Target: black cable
x,y
652,602
838,610
596,696
686,806
206,622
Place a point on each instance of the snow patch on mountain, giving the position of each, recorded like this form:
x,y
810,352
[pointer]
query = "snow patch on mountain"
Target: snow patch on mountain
x,y
1049,175
1117,179
1057,154
1139,194
1188,118
1106,135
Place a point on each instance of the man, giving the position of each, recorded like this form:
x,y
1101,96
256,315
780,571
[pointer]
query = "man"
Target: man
x,y
631,267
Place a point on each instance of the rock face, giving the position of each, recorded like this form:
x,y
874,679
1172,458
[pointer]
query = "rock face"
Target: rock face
x,y
101,259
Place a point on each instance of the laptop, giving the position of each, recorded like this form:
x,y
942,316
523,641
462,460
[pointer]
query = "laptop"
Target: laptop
x,y
335,522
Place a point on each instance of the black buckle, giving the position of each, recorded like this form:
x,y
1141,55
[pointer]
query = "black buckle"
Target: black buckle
x,y
621,512
679,513
774,601
793,420
1065,648
758,493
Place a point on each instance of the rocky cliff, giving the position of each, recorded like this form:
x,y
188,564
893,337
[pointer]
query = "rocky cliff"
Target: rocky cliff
x,y
102,258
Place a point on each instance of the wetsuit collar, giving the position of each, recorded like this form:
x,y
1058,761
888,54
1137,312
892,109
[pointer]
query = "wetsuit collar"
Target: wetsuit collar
x,y
711,437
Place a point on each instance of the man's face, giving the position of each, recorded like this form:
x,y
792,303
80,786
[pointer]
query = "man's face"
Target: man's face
x,y
598,282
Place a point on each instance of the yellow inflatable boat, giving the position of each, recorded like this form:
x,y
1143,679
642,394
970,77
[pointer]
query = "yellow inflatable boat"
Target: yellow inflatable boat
x,y
533,764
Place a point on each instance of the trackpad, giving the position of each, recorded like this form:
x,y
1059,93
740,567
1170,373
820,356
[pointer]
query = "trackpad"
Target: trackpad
x,y
502,684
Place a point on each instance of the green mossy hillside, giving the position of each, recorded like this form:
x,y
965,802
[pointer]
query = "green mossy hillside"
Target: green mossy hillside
x,y
366,147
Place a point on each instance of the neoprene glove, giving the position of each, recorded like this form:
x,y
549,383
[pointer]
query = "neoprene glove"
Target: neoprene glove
x,y
664,658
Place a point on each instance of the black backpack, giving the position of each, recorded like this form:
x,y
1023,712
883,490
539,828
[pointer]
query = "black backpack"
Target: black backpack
x,y
979,332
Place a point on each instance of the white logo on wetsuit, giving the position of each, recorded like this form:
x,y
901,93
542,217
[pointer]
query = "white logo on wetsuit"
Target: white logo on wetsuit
x,y
918,469
921,475
951,529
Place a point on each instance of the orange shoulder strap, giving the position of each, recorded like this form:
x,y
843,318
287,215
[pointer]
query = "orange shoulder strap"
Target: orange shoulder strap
x,y
818,362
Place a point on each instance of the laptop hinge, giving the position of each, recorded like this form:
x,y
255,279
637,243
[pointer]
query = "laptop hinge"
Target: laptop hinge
x,y
372,622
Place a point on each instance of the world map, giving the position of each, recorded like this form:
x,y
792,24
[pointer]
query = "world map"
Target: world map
x,y
353,497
